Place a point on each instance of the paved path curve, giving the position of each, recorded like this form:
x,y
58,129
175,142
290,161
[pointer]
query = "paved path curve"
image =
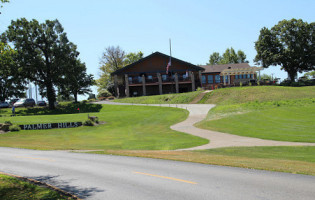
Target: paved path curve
x,y
198,112
98,177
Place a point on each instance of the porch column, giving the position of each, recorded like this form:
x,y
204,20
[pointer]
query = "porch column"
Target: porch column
x,y
144,91
192,78
116,86
160,82
224,80
127,85
176,83
200,78
229,78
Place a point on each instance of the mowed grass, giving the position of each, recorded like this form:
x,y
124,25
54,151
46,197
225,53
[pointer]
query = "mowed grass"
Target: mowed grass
x,y
283,123
238,95
297,160
13,188
126,127
180,98
267,112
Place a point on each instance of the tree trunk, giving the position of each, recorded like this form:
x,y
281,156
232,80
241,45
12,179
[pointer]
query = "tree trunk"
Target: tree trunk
x,y
51,96
75,97
292,75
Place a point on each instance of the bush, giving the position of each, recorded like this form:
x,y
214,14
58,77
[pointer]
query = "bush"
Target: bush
x,y
8,122
104,93
14,128
88,122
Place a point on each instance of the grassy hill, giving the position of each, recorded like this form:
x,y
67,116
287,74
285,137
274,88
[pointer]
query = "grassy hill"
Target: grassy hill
x,y
181,98
125,127
267,112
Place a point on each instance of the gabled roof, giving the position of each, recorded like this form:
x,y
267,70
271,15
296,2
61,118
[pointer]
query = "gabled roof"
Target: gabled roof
x,y
195,67
220,68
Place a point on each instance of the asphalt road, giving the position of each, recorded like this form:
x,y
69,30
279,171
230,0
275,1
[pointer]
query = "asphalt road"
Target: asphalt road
x,y
92,176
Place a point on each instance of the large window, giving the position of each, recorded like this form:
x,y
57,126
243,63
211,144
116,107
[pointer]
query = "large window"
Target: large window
x,y
248,75
217,79
210,79
139,79
203,79
226,79
164,77
236,76
130,79
252,76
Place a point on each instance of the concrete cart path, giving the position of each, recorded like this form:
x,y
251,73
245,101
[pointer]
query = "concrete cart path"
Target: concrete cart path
x,y
198,112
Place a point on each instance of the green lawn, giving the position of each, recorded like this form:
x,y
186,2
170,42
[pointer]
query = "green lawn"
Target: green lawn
x,y
13,188
300,160
180,98
126,127
284,123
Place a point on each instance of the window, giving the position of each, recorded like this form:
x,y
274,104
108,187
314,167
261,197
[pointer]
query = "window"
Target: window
x,y
139,79
226,79
210,79
248,75
130,79
203,77
217,79
252,76
150,77
164,77
236,76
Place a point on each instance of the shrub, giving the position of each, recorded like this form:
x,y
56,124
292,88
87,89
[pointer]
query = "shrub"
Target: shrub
x,y
14,128
88,122
104,93
8,122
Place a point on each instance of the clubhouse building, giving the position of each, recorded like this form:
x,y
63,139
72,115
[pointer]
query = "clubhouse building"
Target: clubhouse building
x,y
150,76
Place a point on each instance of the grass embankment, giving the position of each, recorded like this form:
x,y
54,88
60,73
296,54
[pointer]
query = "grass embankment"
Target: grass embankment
x,y
126,127
299,160
13,188
286,114
180,98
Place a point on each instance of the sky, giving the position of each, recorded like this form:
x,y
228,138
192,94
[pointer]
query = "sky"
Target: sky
x,y
197,28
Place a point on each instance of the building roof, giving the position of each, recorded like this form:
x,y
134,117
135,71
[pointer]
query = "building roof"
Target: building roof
x,y
119,71
220,68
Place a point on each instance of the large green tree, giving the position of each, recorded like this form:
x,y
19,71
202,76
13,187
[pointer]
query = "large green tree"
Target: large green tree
x,y
12,82
114,58
289,44
44,52
228,57
76,81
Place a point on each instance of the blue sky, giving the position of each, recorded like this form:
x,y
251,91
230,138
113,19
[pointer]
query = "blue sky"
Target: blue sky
x,y
197,28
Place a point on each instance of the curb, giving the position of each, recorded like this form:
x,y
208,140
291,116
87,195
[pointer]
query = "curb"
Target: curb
x,y
33,181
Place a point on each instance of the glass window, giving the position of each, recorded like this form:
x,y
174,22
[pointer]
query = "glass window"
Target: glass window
x,y
226,79
217,79
140,79
210,79
130,79
164,77
252,76
150,77
203,77
248,75
236,76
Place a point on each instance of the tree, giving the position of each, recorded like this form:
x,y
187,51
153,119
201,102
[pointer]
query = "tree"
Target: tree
x,y
114,58
12,82
132,57
228,57
76,81
214,58
44,52
289,44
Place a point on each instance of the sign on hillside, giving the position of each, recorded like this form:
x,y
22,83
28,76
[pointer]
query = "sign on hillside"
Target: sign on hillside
x,y
50,125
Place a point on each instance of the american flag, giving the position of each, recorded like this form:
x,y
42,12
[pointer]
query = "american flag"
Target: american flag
x,y
168,66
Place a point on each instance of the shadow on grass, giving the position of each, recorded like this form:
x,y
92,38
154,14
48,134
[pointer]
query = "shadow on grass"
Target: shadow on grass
x,y
65,108
65,185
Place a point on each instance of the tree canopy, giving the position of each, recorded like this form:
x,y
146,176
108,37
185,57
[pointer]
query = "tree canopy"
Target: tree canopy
x,y
289,44
12,82
114,58
44,53
228,57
